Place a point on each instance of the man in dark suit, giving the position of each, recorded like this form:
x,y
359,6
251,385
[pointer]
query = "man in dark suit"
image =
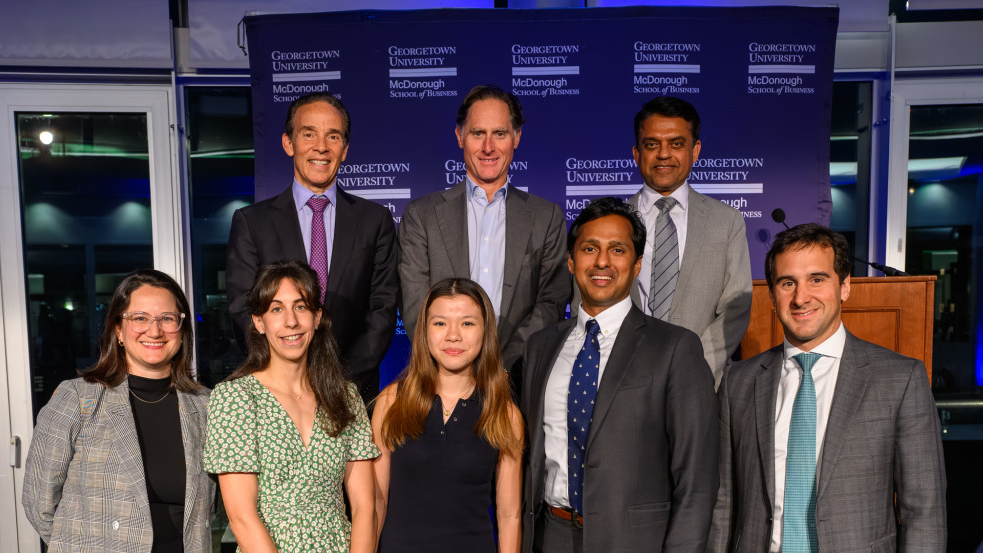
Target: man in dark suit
x,y
349,241
701,250
828,443
507,240
620,411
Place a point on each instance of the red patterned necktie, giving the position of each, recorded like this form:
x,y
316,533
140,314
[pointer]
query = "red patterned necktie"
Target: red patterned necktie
x,y
319,241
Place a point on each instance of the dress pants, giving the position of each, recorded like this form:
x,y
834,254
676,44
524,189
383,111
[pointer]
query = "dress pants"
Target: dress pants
x,y
555,535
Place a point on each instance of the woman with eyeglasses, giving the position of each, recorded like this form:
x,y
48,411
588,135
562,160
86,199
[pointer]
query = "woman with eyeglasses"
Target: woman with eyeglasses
x,y
115,463
288,430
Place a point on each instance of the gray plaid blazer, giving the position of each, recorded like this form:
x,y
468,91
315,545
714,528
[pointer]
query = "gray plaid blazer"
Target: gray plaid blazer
x,y
882,440
84,486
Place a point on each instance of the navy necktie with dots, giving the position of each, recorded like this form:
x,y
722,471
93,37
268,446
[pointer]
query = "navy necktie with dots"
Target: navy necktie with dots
x,y
580,409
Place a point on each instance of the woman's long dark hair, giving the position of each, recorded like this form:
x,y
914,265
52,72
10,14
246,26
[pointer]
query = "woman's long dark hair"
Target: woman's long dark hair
x,y
111,368
325,374
417,384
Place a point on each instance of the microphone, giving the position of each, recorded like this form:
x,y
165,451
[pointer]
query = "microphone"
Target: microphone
x,y
889,271
778,215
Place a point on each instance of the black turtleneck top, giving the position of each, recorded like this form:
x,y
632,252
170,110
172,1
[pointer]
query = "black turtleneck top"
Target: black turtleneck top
x,y
158,422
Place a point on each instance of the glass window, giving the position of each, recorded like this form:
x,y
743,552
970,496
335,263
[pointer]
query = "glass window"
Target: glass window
x,y
849,171
219,123
944,215
85,195
944,227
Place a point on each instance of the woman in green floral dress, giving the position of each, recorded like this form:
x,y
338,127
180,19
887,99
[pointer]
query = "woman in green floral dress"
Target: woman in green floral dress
x,y
286,429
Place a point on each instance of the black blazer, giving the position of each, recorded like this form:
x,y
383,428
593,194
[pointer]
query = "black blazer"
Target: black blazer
x,y
651,472
362,288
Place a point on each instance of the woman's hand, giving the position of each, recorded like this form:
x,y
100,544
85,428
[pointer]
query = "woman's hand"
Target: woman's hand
x,y
360,485
239,494
508,492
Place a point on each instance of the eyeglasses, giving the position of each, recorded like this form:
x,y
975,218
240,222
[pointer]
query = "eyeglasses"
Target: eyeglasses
x,y
140,321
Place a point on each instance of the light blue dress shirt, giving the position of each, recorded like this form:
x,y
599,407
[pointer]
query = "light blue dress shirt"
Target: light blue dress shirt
x,y
486,241
305,214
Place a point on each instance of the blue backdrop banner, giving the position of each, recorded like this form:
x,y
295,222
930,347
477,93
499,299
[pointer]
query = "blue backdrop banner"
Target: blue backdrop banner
x,y
761,79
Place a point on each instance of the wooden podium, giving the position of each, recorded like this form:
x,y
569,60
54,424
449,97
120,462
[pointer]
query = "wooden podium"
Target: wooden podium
x,y
894,312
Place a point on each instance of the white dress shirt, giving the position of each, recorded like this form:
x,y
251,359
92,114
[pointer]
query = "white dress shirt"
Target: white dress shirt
x,y
650,215
555,402
824,374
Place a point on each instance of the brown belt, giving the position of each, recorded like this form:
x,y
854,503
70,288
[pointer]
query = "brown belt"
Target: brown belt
x,y
567,515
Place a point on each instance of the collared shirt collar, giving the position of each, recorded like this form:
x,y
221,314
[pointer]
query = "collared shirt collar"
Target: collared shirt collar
x,y
302,194
475,192
832,347
608,320
648,197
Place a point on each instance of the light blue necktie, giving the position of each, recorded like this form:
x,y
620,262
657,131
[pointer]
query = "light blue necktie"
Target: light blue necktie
x,y
799,510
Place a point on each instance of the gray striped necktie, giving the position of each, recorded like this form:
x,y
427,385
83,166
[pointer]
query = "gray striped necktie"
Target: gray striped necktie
x,y
665,261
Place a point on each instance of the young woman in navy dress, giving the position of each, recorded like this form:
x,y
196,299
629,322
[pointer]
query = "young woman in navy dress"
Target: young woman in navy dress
x,y
451,437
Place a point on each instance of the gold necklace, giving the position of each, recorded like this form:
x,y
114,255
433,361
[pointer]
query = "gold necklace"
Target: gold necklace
x,y
167,393
447,412
298,397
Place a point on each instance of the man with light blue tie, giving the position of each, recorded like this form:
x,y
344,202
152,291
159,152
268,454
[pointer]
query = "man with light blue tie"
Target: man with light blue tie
x,y
508,241
347,240
828,443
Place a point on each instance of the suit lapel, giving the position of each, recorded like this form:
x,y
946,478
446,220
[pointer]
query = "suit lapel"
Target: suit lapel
x,y
518,230
619,363
636,294
696,231
452,220
286,226
851,383
126,444
552,344
192,439
765,397
342,245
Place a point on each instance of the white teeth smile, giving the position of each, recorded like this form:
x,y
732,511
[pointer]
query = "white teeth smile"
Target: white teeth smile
x,y
319,162
600,277
153,344
292,338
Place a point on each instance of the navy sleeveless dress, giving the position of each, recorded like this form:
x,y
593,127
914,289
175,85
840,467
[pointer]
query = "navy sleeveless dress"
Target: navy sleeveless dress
x,y
440,487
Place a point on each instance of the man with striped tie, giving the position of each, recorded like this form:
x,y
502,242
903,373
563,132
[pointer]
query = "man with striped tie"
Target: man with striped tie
x,y
619,410
696,271
828,443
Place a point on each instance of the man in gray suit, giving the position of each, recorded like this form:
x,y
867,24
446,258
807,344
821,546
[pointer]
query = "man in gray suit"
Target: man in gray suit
x,y
508,241
696,259
619,410
828,443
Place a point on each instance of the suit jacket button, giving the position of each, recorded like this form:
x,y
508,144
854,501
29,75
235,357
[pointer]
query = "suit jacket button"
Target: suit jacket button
x,y
115,525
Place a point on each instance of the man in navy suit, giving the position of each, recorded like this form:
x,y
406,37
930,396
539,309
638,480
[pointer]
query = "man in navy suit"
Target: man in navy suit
x,y
354,241
828,443
620,411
